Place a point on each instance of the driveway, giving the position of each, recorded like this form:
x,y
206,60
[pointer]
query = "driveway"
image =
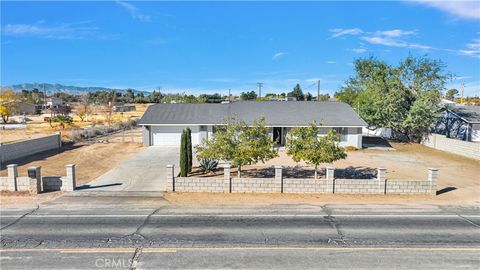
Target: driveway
x,y
145,171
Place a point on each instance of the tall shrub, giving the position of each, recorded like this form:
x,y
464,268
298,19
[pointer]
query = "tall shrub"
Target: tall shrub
x,y
183,155
189,150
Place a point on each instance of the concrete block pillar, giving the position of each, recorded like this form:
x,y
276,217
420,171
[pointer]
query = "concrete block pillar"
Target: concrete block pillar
x,y
381,177
331,179
170,178
279,176
36,183
69,183
433,178
227,183
12,171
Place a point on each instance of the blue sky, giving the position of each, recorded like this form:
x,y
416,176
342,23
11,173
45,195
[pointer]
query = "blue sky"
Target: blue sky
x,y
213,46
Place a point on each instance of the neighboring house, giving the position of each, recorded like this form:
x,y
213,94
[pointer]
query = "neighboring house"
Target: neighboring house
x,y
459,122
54,102
162,124
25,108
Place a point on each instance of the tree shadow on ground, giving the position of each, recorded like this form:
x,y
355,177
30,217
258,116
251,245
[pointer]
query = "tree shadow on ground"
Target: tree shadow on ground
x,y
356,173
293,172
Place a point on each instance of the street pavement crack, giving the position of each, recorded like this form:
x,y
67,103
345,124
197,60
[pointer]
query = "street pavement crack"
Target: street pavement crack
x,y
20,218
460,216
135,258
138,231
469,221
334,224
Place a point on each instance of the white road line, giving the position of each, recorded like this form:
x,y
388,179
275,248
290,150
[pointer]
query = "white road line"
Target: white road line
x,y
247,215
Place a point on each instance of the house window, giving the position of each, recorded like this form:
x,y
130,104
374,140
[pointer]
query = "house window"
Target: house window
x,y
342,133
203,128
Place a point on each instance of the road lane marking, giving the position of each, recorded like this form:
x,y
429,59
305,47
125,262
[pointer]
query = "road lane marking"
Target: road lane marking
x,y
286,248
244,215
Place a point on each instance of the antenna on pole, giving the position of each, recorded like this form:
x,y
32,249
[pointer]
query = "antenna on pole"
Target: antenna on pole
x,y
318,90
260,85
463,88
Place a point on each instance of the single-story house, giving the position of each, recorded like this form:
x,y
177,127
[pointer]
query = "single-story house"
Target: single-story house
x,y
162,124
459,122
25,108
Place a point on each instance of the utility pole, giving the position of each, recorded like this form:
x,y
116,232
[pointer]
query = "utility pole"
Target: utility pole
x,y
229,95
260,85
44,99
463,88
318,91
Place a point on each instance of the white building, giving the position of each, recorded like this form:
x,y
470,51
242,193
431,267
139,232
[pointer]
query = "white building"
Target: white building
x,y
162,124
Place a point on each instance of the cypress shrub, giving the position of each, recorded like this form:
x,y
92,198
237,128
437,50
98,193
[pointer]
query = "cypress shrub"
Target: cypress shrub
x,y
183,155
189,150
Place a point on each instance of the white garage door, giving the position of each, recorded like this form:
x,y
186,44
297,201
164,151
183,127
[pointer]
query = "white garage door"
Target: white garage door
x,y
170,136
166,136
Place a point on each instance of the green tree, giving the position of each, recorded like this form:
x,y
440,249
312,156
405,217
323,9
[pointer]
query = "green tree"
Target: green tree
x,y
385,95
451,93
183,155
248,95
308,96
306,143
296,93
239,143
189,150
421,116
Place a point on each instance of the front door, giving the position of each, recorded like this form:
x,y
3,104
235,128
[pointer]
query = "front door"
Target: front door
x,y
277,135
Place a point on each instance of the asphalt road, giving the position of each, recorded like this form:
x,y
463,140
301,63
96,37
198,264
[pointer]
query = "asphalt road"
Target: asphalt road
x,y
119,234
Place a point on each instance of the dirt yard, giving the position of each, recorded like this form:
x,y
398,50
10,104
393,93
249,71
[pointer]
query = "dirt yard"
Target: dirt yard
x,y
459,177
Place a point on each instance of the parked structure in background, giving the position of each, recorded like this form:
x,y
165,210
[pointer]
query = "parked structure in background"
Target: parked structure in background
x,y
124,108
163,123
459,122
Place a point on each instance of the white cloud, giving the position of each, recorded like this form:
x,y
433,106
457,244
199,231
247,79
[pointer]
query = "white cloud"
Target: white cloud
x,y
278,55
360,50
41,30
461,9
395,33
331,62
338,32
134,11
471,49
393,38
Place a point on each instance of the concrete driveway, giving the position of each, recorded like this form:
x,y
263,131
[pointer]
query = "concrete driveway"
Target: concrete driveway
x,y
144,172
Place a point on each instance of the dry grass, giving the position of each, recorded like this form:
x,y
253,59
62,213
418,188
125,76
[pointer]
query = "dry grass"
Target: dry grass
x,y
37,127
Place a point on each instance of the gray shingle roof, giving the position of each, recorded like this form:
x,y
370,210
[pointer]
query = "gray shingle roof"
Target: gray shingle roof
x,y
276,113
470,113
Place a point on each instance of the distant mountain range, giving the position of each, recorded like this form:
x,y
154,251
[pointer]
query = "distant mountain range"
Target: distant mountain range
x,y
55,88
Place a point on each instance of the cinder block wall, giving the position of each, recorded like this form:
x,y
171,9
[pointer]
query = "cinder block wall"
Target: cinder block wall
x,y
16,150
305,185
278,184
359,186
463,148
257,185
396,186
198,184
